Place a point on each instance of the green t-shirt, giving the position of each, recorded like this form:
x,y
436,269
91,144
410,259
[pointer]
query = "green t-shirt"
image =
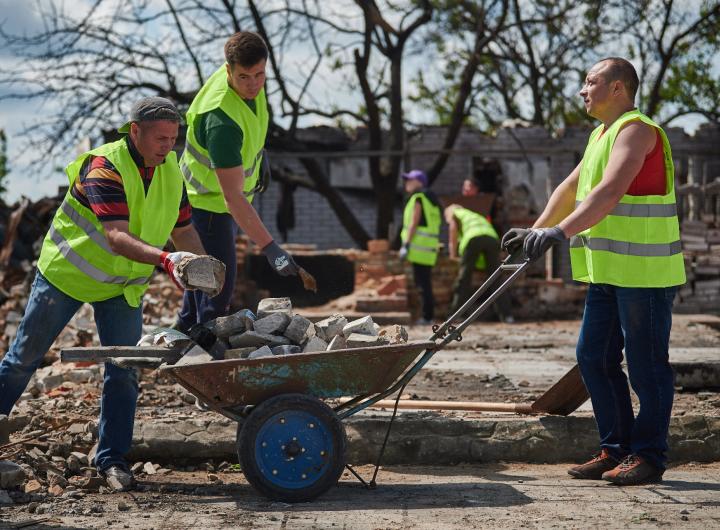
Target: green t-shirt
x,y
221,136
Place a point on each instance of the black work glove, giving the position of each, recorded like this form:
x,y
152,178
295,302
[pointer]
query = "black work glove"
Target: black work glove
x,y
514,238
540,239
280,261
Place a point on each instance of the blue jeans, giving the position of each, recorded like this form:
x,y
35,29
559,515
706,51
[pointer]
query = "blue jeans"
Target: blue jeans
x,y
218,232
638,319
48,312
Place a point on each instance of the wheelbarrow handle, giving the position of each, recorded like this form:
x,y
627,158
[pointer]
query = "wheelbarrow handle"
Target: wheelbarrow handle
x,y
515,263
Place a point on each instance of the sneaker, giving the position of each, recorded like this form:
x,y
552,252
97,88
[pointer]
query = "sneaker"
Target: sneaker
x,y
118,478
632,471
594,469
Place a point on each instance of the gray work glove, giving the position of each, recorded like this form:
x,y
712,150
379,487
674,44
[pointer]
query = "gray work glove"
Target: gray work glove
x,y
514,238
403,252
280,261
539,240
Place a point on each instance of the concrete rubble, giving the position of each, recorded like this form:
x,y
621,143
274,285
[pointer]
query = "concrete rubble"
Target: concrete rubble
x,y
204,273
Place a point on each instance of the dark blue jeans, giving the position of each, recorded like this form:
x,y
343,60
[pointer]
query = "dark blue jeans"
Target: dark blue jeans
x,y
218,232
639,320
48,311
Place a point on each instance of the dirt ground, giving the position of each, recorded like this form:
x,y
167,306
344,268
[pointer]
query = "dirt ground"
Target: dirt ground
x,y
468,496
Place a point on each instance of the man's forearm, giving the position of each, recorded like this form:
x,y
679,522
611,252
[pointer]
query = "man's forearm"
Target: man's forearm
x,y
560,205
249,221
596,206
132,248
188,240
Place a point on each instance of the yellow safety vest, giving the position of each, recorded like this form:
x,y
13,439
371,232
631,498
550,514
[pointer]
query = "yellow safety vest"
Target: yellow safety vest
x,y
203,187
638,243
76,256
423,249
473,225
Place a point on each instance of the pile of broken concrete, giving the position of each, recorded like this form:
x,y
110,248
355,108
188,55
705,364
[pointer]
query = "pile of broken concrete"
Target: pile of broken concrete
x,y
276,330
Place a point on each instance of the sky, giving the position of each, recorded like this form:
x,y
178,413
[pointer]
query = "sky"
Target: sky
x,y
19,17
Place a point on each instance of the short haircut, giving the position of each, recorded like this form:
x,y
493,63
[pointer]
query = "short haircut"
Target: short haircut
x,y
246,49
619,69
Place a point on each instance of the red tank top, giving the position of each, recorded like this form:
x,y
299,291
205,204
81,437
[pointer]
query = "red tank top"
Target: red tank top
x,y
651,178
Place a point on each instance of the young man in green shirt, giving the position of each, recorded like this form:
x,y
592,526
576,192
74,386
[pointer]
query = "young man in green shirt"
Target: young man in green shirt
x,y
227,126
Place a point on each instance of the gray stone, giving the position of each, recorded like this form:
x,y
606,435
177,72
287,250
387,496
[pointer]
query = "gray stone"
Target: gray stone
x,y
239,353
394,334
11,475
300,330
82,457
288,349
364,326
338,343
268,306
327,329
49,382
265,351
360,340
274,324
196,355
315,344
80,375
224,327
255,339
5,499
4,429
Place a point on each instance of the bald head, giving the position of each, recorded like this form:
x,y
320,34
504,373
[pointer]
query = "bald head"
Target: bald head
x,y
619,69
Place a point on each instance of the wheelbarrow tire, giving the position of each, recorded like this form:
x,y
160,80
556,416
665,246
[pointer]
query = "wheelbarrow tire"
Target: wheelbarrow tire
x,y
292,448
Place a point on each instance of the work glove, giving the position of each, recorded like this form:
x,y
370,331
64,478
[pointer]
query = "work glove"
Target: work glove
x,y
403,252
170,261
539,240
280,261
514,238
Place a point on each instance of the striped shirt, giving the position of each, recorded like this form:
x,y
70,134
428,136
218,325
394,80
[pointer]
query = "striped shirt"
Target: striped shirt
x,y
100,188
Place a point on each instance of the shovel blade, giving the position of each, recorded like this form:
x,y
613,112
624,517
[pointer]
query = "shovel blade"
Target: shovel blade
x,y
564,397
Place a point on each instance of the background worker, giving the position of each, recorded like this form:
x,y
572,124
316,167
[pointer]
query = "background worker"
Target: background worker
x,y
125,199
421,237
227,124
618,207
474,239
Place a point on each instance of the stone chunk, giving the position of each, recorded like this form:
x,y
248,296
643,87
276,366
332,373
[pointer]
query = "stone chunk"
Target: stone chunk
x,y
360,340
253,338
149,468
5,499
363,326
265,351
288,349
330,327
315,344
11,475
204,273
394,334
195,355
224,327
273,324
33,486
268,306
4,429
338,343
300,330
239,353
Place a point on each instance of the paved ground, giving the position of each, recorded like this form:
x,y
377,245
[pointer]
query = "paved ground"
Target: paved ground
x,y
491,496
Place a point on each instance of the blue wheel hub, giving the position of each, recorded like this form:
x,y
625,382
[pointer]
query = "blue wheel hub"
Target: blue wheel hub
x,y
293,449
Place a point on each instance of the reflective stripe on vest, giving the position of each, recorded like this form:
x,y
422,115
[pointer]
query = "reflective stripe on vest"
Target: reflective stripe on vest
x,y
202,190
626,248
87,267
638,243
87,227
641,210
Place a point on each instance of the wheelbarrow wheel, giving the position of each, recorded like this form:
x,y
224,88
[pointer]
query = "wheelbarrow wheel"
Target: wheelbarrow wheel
x,y
292,448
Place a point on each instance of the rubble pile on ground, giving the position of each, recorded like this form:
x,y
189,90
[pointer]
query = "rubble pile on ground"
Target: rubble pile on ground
x,y
276,330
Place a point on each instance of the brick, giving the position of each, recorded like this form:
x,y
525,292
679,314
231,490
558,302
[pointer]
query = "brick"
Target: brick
x,y
224,327
315,344
328,328
363,326
287,349
265,351
300,330
253,338
11,475
360,340
268,306
338,343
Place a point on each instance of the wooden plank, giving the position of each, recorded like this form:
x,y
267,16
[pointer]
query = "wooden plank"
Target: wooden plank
x,y
103,353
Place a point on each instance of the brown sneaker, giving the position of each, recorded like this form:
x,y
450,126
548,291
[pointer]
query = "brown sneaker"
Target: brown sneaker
x,y
632,471
594,469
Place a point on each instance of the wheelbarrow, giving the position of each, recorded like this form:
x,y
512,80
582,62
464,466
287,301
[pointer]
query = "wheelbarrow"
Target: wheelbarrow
x,y
290,443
